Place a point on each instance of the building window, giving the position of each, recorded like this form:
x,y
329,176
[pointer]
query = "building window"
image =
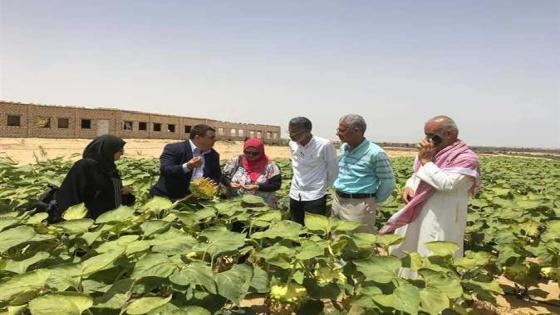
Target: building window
x,y
241,133
252,134
127,125
14,120
275,136
63,123
157,127
143,126
268,135
42,122
220,131
170,128
232,133
259,134
86,123
188,129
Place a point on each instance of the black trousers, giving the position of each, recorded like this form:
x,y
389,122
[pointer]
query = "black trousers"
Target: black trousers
x,y
298,208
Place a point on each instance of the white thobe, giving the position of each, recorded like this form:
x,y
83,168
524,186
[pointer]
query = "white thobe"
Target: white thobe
x,y
444,215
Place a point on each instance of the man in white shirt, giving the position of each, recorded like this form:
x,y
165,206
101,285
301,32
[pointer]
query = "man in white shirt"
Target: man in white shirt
x,y
446,172
315,168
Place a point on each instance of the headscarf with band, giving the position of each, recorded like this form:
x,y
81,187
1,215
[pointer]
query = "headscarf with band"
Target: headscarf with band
x,y
255,167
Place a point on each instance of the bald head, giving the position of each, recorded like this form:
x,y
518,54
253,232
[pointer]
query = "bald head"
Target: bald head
x,y
444,123
442,131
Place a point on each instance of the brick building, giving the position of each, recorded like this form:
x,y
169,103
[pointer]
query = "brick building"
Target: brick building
x,y
42,121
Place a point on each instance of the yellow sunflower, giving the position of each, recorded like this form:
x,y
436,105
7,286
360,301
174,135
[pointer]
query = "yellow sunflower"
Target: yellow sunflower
x,y
203,188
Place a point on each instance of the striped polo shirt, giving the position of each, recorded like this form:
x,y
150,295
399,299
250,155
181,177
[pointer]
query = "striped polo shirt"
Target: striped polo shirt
x,y
367,169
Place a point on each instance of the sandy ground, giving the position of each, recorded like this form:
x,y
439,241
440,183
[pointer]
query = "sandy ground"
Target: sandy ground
x,y
23,150
511,304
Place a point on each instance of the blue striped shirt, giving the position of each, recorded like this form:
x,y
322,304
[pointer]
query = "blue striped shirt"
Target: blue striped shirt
x,y
367,169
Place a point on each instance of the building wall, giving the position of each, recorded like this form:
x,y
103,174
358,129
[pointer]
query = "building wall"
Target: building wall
x,y
240,131
38,115
96,116
187,123
34,118
136,119
13,109
164,122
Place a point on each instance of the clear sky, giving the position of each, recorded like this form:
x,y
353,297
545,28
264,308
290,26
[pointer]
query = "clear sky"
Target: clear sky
x,y
494,66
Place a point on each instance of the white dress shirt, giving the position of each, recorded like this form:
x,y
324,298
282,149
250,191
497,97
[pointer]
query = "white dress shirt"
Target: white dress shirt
x,y
315,167
198,172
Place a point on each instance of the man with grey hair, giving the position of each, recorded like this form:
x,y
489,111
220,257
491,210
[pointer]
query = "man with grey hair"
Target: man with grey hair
x,y
365,175
446,171
314,165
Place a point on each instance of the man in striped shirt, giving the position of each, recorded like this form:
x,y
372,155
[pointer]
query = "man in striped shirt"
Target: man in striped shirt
x,y
365,176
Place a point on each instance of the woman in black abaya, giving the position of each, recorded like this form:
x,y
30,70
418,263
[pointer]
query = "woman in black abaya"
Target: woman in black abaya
x,y
94,180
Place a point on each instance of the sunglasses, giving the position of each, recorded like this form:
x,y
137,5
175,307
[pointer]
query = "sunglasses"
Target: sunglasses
x,y
252,153
435,139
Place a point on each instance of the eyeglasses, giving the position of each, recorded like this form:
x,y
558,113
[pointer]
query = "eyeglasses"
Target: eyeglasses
x,y
252,153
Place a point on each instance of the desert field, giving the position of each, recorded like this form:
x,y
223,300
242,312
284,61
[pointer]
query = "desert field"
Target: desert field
x,y
544,295
24,150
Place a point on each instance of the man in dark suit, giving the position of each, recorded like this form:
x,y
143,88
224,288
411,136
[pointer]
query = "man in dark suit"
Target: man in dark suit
x,y
183,161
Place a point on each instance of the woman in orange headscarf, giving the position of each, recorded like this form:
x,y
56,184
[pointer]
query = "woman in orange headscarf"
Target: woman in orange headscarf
x,y
253,172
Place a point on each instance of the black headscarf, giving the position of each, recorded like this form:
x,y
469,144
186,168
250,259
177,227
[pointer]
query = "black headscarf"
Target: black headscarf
x,y
102,149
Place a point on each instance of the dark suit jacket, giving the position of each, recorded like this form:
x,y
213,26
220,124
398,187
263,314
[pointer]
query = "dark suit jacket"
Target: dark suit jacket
x,y
173,181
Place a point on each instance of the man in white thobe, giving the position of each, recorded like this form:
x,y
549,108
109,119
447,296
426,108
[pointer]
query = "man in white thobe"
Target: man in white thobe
x,y
436,196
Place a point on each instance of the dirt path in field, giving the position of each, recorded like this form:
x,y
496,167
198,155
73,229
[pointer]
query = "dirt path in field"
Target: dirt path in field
x,y
511,304
22,150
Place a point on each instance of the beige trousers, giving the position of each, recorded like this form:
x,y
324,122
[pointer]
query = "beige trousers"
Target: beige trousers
x,y
357,210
